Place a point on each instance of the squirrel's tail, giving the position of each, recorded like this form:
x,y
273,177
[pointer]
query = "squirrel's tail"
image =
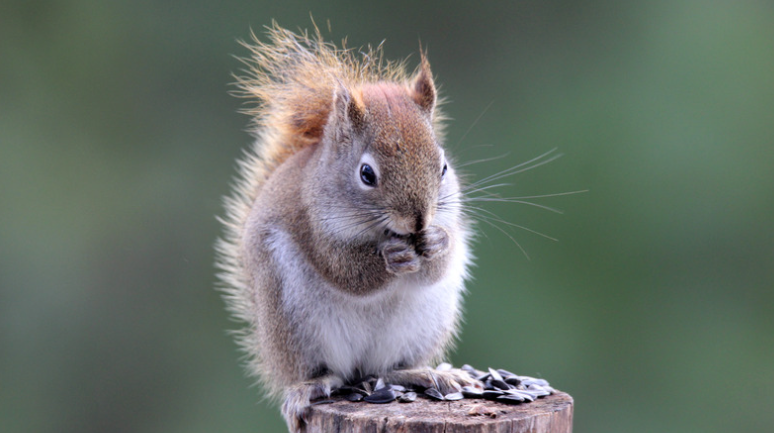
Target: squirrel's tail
x,y
293,77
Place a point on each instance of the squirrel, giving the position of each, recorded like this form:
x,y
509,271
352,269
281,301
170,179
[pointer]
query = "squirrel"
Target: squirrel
x,y
345,249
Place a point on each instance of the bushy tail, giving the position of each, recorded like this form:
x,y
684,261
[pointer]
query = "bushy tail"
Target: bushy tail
x,y
293,77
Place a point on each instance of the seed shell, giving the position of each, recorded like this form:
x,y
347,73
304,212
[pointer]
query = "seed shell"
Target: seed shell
x,y
353,397
495,374
499,384
492,394
408,397
454,396
434,393
384,395
510,399
472,392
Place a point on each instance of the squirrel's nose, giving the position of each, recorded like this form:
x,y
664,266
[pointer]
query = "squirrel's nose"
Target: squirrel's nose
x,y
419,222
402,225
410,224
407,223
423,217
411,218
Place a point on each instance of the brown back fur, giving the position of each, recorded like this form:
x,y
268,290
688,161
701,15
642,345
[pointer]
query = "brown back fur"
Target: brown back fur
x,y
291,79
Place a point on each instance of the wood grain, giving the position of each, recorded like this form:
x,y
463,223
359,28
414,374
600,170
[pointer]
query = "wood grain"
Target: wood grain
x,y
551,414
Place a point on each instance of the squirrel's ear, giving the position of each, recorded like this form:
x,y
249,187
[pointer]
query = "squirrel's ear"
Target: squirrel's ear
x,y
423,87
347,111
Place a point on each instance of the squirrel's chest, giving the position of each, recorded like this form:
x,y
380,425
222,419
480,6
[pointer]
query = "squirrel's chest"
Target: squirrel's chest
x,y
373,336
405,323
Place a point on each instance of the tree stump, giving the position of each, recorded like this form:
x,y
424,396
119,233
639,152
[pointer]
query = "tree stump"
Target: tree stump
x,y
551,414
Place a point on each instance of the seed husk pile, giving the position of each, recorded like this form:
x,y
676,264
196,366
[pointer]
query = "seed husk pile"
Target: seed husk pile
x,y
496,385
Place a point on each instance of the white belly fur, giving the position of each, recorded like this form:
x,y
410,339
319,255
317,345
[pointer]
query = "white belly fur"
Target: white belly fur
x,y
405,321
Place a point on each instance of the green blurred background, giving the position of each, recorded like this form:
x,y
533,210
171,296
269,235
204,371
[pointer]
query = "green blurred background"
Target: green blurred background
x,y
654,310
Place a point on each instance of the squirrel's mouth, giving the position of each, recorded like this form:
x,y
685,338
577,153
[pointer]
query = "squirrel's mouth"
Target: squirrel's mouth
x,y
412,238
391,234
393,230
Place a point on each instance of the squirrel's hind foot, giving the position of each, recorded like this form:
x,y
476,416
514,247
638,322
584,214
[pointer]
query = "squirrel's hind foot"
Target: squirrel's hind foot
x,y
446,382
298,398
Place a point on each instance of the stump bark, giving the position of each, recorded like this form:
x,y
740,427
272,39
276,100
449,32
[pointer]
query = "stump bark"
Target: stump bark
x,y
551,414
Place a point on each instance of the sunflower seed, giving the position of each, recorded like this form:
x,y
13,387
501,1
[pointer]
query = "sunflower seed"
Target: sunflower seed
x,y
379,384
505,373
408,397
513,380
434,393
367,387
483,377
470,370
510,398
524,394
531,380
454,396
491,394
472,392
349,390
495,374
384,395
353,397
539,390
398,388
499,384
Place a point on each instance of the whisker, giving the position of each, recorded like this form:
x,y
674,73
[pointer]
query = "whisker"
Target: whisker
x,y
519,200
515,169
505,200
549,195
486,220
497,218
481,189
469,189
517,166
351,215
518,169
355,221
478,161
351,225
470,128
372,225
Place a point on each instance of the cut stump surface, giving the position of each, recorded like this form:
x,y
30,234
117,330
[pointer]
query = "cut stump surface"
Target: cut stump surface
x,y
551,414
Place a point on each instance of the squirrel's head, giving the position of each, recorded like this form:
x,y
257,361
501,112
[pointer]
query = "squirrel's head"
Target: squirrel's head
x,y
391,170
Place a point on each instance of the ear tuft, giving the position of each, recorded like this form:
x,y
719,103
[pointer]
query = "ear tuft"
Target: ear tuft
x,y
423,87
356,113
348,112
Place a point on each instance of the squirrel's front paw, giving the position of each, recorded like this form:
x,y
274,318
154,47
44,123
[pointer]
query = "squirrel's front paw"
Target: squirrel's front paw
x,y
399,255
432,242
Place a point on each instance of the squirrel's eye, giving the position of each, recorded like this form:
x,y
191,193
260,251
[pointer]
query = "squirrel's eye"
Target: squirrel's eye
x,y
367,175
443,173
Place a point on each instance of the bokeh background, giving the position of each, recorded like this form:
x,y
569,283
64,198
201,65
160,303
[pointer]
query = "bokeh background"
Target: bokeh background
x,y
654,310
